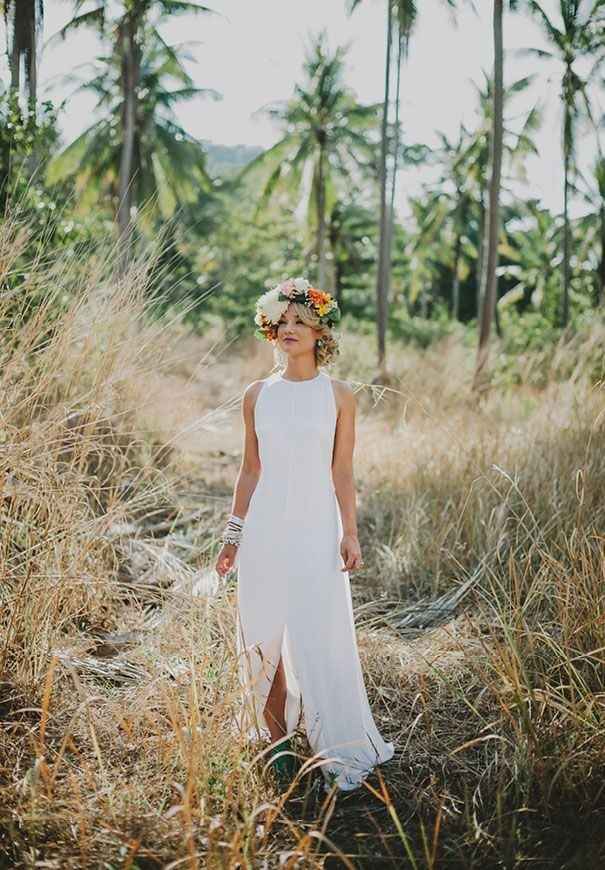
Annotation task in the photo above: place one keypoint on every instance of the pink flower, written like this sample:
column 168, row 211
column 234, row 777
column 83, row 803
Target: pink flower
column 288, row 288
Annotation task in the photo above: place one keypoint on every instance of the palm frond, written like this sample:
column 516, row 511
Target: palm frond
column 553, row 34
column 95, row 19
column 184, row 7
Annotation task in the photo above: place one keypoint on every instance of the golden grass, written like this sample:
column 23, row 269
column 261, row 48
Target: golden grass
column 120, row 440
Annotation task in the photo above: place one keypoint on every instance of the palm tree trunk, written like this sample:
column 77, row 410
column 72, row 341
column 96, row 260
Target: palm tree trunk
column 23, row 18
column 321, row 219
column 493, row 224
column 338, row 283
column 455, row 306
column 381, row 278
column 601, row 285
column 391, row 219
column 334, row 237
column 456, row 281
column 481, row 248
column 497, row 322
column 127, row 38
column 566, row 160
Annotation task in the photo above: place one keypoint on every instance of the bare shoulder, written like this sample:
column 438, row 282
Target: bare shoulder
column 344, row 394
column 251, row 392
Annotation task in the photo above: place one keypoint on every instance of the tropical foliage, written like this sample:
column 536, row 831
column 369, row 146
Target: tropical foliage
column 327, row 150
column 168, row 165
column 321, row 200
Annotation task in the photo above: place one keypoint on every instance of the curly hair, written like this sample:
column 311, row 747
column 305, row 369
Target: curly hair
column 328, row 349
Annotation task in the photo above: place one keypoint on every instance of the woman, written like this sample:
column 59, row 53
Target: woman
column 292, row 534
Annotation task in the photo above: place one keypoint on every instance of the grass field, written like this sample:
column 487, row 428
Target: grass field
column 120, row 440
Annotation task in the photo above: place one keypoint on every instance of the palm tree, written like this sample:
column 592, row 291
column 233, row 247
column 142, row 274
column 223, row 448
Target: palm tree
column 327, row 138
column 593, row 193
column 516, row 146
column 447, row 207
column 599, row 176
column 168, row 164
column 531, row 253
column 425, row 252
column 454, row 205
column 402, row 47
column 404, row 14
column 350, row 230
column 488, row 291
column 23, row 21
column 123, row 23
column 578, row 36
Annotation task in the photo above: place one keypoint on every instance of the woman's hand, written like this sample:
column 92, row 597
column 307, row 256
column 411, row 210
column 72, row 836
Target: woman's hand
column 226, row 559
column 351, row 553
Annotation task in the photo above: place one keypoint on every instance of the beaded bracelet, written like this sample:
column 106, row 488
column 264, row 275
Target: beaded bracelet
column 233, row 530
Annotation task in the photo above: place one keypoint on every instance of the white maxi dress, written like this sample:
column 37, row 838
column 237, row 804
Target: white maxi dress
column 293, row 598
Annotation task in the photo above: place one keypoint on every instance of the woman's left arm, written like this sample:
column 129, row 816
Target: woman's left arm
column 342, row 475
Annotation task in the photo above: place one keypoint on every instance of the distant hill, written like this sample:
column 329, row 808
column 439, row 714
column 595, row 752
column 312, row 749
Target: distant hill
column 227, row 160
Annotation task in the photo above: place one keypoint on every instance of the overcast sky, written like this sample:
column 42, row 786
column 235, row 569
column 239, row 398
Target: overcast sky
column 252, row 53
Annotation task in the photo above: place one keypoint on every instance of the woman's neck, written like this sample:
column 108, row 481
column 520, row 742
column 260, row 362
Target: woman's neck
column 301, row 370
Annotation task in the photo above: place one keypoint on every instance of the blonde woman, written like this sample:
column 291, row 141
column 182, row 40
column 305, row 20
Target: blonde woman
column 292, row 535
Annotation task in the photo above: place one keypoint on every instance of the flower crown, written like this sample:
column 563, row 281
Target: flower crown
column 272, row 304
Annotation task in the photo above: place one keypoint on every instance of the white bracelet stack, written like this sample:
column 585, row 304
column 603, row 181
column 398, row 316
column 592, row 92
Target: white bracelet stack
column 233, row 530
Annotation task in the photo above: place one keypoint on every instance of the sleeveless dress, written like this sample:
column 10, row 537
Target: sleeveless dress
column 293, row 598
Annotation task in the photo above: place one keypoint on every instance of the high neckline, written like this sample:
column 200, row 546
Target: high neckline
column 304, row 381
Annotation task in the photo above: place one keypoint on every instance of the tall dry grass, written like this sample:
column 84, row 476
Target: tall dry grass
column 118, row 670
column 508, row 493
column 445, row 483
column 119, row 443
column 72, row 463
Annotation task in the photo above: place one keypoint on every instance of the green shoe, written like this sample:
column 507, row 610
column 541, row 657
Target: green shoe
column 283, row 765
column 278, row 748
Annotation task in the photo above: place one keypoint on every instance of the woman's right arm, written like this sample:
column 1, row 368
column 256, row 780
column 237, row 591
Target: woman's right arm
column 250, row 467
column 248, row 475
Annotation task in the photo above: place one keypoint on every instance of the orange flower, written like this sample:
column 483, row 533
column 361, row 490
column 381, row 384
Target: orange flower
column 318, row 297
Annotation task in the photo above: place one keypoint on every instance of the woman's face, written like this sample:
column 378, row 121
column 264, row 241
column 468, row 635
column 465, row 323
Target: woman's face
column 293, row 336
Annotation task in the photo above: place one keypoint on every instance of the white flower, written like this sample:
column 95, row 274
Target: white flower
column 271, row 306
column 301, row 284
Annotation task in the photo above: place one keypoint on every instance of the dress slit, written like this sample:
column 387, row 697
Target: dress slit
column 258, row 663
column 293, row 708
